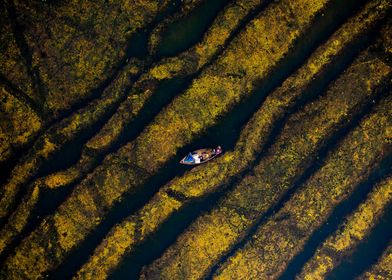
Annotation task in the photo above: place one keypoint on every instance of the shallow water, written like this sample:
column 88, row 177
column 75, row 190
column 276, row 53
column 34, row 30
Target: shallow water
column 181, row 35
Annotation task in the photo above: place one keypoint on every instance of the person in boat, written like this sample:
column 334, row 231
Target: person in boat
column 196, row 157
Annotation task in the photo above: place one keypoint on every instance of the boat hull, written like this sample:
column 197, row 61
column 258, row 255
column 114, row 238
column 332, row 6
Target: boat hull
column 207, row 154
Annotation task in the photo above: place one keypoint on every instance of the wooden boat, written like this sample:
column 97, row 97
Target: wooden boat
column 201, row 156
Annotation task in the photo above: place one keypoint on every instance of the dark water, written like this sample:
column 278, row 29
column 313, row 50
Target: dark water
column 368, row 252
column 185, row 32
column 343, row 210
column 181, row 35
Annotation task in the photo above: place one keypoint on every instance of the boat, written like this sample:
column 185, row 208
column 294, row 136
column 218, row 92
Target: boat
column 201, row 156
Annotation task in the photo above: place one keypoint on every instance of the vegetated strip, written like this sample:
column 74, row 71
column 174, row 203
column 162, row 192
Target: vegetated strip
column 17, row 103
column 113, row 130
column 143, row 89
column 181, row 191
column 24, row 98
column 54, row 119
column 224, row 28
column 382, row 270
column 354, row 230
column 213, row 94
column 39, row 90
column 102, row 142
column 188, row 64
column 284, row 234
column 14, row 132
column 62, row 133
column 372, row 247
column 213, row 234
column 25, row 170
column 24, row 164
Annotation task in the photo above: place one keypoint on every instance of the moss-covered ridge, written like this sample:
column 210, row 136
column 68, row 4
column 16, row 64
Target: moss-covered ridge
column 354, row 230
column 128, row 110
column 61, row 134
column 254, row 135
column 294, row 150
column 215, row 92
column 344, row 169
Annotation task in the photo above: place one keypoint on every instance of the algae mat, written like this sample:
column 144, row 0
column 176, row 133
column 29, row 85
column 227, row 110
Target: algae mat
column 100, row 100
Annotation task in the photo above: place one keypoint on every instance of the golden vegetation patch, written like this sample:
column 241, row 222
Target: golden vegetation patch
column 291, row 153
column 282, row 236
column 252, row 138
column 56, row 137
column 74, row 48
column 18, row 124
column 355, row 228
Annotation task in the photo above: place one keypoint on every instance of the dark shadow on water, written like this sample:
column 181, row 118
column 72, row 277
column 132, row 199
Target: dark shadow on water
column 310, row 167
column 50, row 199
column 69, row 155
column 225, row 133
column 368, row 252
column 344, row 209
column 136, row 47
column 187, row 31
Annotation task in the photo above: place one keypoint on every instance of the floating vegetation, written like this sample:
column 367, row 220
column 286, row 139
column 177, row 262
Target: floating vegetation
column 270, row 179
column 99, row 101
column 356, row 227
column 191, row 186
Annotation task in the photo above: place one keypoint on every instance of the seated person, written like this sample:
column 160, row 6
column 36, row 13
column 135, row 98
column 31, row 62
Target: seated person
column 196, row 157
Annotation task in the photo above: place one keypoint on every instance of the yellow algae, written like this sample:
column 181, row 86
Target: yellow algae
column 165, row 70
column 325, row 265
column 107, row 184
column 18, row 124
column 356, row 227
column 254, row 134
column 215, row 82
column 155, row 212
column 13, row 67
column 274, row 173
column 18, row 221
column 86, row 57
column 59, row 135
column 61, row 178
column 124, row 236
column 285, row 233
